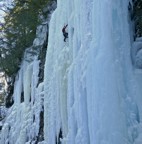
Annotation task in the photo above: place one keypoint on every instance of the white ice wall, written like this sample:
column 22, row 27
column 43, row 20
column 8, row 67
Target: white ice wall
column 22, row 122
column 91, row 89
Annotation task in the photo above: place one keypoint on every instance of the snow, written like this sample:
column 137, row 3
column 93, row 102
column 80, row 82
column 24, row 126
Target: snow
column 91, row 90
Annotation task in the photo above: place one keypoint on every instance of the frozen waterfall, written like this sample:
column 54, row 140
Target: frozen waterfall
column 92, row 91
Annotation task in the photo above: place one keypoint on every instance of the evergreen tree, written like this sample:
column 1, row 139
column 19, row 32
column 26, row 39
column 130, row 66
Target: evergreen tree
column 19, row 31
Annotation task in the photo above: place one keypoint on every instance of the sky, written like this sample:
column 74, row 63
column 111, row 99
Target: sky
column 3, row 3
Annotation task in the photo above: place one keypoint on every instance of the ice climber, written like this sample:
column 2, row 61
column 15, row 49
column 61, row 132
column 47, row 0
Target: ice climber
column 65, row 34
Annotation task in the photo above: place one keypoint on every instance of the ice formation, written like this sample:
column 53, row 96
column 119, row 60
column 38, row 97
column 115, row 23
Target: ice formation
column 91, row 91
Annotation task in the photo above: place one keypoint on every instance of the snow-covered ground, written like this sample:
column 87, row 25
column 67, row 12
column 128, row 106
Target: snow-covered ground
column 92, row 90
